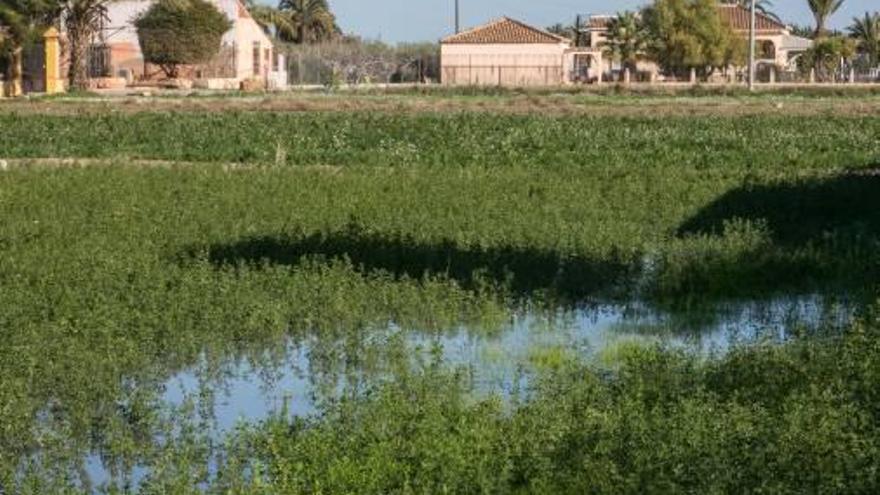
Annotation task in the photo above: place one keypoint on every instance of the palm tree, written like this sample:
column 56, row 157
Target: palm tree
column 309, row 21
column 273, row 21
column 627, row 39
column 822, row 10
column 82, row 20
column 867, row 32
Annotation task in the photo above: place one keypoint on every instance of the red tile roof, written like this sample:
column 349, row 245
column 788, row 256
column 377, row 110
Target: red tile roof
column 504, row 31
column 738, row 18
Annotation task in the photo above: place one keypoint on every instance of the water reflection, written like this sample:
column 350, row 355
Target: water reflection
column 226, row 388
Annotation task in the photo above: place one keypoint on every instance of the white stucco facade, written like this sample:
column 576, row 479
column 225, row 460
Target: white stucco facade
column 504, row 64
column 245, row 52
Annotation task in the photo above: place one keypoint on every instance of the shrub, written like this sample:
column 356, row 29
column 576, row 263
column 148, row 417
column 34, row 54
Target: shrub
column 180, row 32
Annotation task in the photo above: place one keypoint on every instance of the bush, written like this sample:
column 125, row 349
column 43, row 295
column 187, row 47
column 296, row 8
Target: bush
column 180, row 32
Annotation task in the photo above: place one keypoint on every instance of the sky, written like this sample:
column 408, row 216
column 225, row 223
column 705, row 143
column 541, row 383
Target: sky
column 396, row 21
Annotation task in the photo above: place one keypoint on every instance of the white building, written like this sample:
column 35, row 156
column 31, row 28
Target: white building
column 507, row 52
column 246, row 51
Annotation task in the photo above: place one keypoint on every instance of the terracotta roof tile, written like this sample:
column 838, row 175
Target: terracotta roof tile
column 504, row 31
column 738, row 18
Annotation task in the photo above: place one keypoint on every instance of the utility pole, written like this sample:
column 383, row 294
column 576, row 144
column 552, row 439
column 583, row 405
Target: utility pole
column 752, row 49
column 457, row 18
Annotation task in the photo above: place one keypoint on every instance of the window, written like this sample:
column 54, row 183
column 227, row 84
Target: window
column 256, row 58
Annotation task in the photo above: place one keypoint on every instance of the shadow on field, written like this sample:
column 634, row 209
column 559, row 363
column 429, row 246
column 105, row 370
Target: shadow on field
column 844, row 207
column 524, row 272
column 820, row 232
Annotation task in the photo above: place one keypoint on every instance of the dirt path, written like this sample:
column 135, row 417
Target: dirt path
column 546, row 104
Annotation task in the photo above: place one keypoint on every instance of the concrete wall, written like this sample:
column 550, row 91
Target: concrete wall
column 503, row 64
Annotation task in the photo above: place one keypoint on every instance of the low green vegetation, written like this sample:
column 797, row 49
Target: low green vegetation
column 798, row 419
column 119, row 275
column 766, row 144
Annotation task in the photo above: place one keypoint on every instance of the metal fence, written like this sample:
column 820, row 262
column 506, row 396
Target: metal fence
column 221, row 66
column 503, row 75
column 358, row 62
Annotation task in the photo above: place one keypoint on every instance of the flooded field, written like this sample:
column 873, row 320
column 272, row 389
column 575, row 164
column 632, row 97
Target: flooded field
column 296, row 378
column 451, row 302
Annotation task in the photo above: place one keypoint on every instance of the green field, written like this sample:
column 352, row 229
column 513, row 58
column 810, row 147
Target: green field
column 138, row 245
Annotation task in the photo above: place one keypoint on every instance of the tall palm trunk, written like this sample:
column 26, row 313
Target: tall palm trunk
column 78, row 74
column 13, row 87
column 83, row 19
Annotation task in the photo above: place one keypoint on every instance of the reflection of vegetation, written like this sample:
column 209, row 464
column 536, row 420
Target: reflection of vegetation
column 800, row 418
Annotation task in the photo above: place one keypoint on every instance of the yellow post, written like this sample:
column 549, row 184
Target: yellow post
column 54, row 83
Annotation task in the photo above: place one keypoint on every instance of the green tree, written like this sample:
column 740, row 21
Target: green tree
column 273, row 21
column 866, row 32
column 21, row 22
column 82, row 20
column 822, row 10
column 828, row 57
column 180, row 32
column 689, row 34
column 627, row 39
column 307, row 21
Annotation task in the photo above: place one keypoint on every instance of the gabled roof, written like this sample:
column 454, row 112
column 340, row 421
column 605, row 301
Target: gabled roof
column 504, row 31
column 738, row 18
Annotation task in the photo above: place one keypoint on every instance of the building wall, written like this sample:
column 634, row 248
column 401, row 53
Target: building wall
column 249, row 36
column 235, row 57
column 503, row 64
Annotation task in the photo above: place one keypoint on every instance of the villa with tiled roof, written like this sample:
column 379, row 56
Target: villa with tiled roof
column 504, row 52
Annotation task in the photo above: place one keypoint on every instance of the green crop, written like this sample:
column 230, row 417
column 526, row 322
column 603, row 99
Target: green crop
column 119, row 275
column 459, row 140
